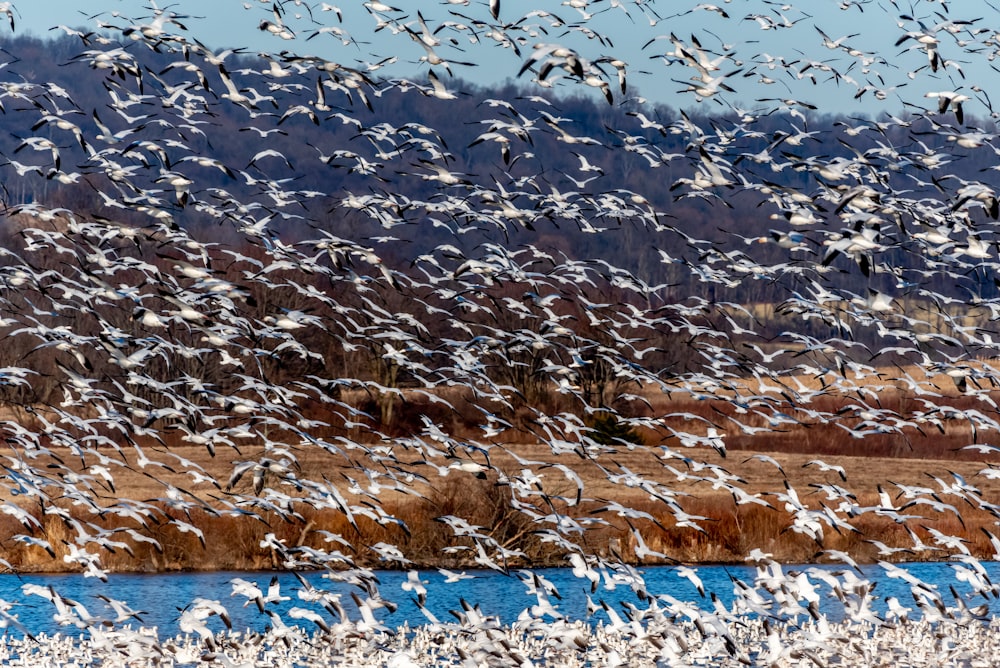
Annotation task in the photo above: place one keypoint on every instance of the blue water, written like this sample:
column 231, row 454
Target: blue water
column 161, row 597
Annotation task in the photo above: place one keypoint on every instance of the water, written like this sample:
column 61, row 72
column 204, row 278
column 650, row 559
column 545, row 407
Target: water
column 161, row 597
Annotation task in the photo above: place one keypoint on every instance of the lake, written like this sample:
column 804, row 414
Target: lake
column 161, row 597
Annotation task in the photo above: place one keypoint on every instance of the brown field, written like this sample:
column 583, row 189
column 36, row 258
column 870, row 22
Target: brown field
column 233, row 539
column 169, row 477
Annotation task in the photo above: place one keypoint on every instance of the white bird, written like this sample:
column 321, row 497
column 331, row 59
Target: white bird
column 194, row 615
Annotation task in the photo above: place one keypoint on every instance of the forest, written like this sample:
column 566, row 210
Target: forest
column 664, row 243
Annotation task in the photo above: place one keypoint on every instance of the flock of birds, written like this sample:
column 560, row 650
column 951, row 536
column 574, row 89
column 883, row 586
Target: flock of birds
column 148, row 329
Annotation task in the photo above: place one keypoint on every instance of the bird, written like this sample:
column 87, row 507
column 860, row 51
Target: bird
column 950, row 100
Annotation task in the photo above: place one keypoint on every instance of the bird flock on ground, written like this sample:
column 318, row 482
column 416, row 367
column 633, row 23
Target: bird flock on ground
column 198, row 301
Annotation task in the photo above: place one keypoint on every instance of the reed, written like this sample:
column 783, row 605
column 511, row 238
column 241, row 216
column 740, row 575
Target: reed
column 728, row 534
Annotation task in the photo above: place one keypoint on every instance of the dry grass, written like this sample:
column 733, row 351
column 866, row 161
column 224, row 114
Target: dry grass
column 237, row 538
column 729, row 533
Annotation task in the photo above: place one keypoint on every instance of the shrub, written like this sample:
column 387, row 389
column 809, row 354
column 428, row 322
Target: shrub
column 606, row 429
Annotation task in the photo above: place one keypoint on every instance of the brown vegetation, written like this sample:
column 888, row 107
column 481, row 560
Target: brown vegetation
column 415, row 518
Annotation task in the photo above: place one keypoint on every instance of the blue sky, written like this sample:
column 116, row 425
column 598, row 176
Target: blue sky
column 746, row 33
